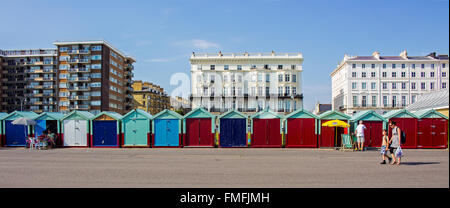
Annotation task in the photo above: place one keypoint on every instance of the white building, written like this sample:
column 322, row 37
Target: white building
column 383, row 83
column 248, row 82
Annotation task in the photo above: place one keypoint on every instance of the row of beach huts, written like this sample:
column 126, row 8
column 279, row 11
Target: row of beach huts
column 200, row 128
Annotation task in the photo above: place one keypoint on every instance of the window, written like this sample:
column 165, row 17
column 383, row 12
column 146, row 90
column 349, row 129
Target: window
column 363, row 74
column 355, row 100
column 199, row 67
column 267, row 77
column 443, row 65
column 385, row 100
column 280, row 66
column 96, row 75
column 287, row 77
column 373, row 74
column 96, row 57
column 96, row 66
column 413, row 99
column 363, row 86
column 422, row 66
column 403, row 74
column 374, row 101
column 62, row 85
column 353, row 65
column 63, row 67
column 96, row 103
column 423, row 86
column 63, row 49
column 226, row 67
column 394, row 101
column 384, row 85
column 413, row 66
column 288, row 90
column 403, row 101
column 431, row 74
column 422, row 74
column 444, row 74
column 96, row 48
column 394, row 86
column 63, row 76
column 403, row 86
column 353, row 74
column 373, row 66
column 384, row 66
column 292, row 66
column 384, row 74
column 354, row 85
column 413, row 85
column 403, row 66
column 280, row 78
column 225, row 78
column 96, row 84
column 432, row 66
column 294, row 90
column 444, row 85
column 294, row 78
column 363, row 66
column 364, row 101
column 213, row 67
column 280, row 90
column 413, row 74
column 393, row 66
column 431, row 85
column 259, row 77
column 212, row 78
column 373, row 85
column 394, row 74
column 239, row 67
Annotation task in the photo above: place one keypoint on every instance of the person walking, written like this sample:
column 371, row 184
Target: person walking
column 359, row 131
column 395, row 143
column 385, row 148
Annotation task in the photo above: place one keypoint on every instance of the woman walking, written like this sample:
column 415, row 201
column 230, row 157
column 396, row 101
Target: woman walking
column 395, row 143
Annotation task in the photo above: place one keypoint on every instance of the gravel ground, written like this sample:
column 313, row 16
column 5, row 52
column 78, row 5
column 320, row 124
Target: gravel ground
column 219, row 168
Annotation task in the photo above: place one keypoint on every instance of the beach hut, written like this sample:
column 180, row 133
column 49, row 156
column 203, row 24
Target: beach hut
column 105, row 130
column 301, row 129
column 136, row 130
column 331, row 136
column 432, row 129
column 2, row 115
column 407, row 122
column 51, row 121
column 16, row 135
column 199, row 128
column 266, row 129
column 75, row 129
column 233, row 129
column 374, row 123
column 166, row 127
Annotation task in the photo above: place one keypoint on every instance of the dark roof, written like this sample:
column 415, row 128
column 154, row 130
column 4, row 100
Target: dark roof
column 391, row 58
column 364, row 58
column 419, row 58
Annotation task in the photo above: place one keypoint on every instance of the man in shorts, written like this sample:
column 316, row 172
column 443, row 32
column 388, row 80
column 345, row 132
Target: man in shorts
column 359, row 131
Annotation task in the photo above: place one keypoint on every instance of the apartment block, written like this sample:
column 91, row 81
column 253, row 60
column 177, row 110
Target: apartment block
column 384, row 83
column 28, row 80
column 150, row 97
column 248, row 82
column 93, row 76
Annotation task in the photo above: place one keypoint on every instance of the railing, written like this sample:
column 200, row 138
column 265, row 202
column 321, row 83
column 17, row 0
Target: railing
column 79, row 70
column 77, row 79
column 79, row 97
column 79, row 88
column 79, row 106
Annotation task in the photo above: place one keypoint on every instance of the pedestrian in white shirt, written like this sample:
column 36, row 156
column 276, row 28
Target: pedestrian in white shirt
column 359, row 131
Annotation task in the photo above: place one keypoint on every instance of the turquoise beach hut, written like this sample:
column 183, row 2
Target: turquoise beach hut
column 136, row 129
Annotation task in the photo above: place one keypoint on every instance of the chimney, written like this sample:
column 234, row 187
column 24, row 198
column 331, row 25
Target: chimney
column 432, row 55
column 376, row 54
column 404, row 54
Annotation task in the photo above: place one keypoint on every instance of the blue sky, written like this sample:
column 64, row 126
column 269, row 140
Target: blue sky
column 161, row 35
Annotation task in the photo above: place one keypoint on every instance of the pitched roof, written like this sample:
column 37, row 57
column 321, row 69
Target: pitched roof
column 111, row 114
column 331, row 112
column 26, row 114
column 86, row 115
column 2, row 115
column 426, row 112
column 433, row 100
column 139, row 111
column 202, row 111
column 233, row 111
column 264, row 113
column 54, row 115
column 361, row 114
column 395, row 113
column 301, row 111
column 165, row 112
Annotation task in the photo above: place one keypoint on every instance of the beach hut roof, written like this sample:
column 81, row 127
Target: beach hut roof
column 233, row 113
column 138, row 111
column 429, row 113
column 167, row 114
column 266, row 113
column 301, row 113
column 2, row 115
column 400, row 113
column 83, row 114
column 49, row 116
column 111, row 114
column 199, row 113
column 333, row 115
column 25, row 114
column 368, row 115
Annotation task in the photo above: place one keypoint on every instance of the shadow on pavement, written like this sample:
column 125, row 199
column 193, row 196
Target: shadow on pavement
column 419, row 163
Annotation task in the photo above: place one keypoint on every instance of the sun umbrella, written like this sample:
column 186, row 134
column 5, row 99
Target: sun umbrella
column 24, row 122
column 336, row 123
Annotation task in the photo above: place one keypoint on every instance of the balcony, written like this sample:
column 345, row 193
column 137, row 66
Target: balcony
column 79, row 97
column 79, row 61
column 79, row 107
column 79, row 88
column 49, row 62
column 82, row 51
column 48, row 94
column 79, row 79
column 38, row 63
column 76, row 70
column 38, row 95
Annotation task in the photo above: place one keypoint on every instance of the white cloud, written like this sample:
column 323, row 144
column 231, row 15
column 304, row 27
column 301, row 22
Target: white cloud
column 197, row 44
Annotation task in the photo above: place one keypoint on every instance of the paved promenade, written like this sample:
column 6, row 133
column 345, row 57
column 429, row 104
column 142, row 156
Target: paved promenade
column 188, row 167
